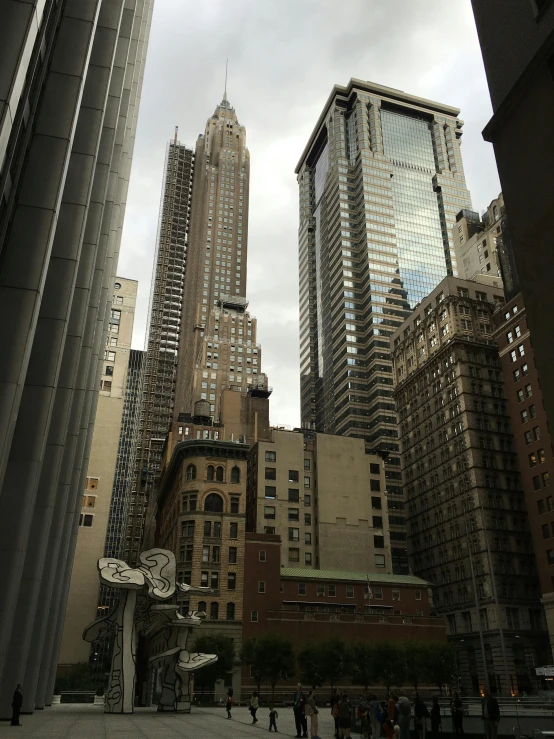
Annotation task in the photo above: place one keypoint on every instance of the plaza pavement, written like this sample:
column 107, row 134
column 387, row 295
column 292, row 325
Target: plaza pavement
column 80, row 721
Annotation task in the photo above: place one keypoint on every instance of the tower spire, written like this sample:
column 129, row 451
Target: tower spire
column 225, row 90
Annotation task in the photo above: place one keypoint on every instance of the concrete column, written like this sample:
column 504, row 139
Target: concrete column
column 26, row 254
column 26, row 458
column 59, row 449
column 86, row 387
column 19, row 30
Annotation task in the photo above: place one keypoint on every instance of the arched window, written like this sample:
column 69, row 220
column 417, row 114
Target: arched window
column 495, row 212
column 191, row 472
column 219, row 474
column 213, row 503
column 202, row 606
column 214, row 611
column 235, row 474
column 210, row 472
column 230, row 611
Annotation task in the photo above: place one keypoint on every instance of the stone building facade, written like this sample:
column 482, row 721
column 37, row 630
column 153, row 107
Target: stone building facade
column 533, row 442
column 475, row 242
column 326, row 498
column 468, row 527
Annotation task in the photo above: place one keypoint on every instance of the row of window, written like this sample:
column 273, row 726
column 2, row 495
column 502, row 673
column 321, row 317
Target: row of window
column 213, row 473
column 213, row 503
column 214, row 610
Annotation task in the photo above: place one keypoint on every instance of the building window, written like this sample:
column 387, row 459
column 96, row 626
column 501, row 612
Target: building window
column 524, row 416
column 219, row 474
column 210, row 470
column 320, row 590
column 187, row 528
column 254, row 617
column 269, row 529
column 540, row 456
column 232, row 555
column 545, row 479
column 271, row 456
column 537, row 433
column 85, row 519
column 269, row 511
column 294, row 534
column 294, row 476
column 379, row 560
column 214, row 611
column 261, row 586
column 270, row 491
column 307, row 500
column 378, row 593
column 262, row 555
column 528, row 438
column 396, row 594
column 230, row 611
column 302, row 588
column 376, row 503
column 306, row 464
column 307, row 519
column 234, row 531
column 213, row 503
column 532, row 411
column 418, row 594
column 235, row 504
column 520, row 396
column 235, row 474
column 204, row 580
column 377, row 522
column 231, row 581
column 349, row 591
column 379, row 542
column 306, row 482
column 270, row 473
column 294, row 555
column 375, row 486
column 308, row 537
column 294, row 495
column 332, row 591
column 191, row 472
column 294, row 514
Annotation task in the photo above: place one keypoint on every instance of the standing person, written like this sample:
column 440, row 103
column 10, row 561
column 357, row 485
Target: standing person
column 391, row 708
column 364, row 721
column 404, row 710
column 436, row 724
column 229, row 702
column 311, row 711
column 345, row 713
column 254, row 705
column 17, row 700
column 457, row 710
column 273, row 715
column 491, row 714
column 421, row 714
column 298, row 706
column 375, row 716
column 335, row 700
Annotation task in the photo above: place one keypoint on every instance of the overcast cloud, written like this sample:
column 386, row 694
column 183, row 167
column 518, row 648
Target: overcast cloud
column 284, row 58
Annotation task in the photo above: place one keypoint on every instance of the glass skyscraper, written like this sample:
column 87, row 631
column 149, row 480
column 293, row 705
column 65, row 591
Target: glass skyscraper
column 381, row 180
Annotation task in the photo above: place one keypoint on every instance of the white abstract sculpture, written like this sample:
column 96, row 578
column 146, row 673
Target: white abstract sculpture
column 156, row 574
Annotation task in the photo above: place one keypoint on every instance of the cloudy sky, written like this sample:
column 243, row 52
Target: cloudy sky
column 284, row 58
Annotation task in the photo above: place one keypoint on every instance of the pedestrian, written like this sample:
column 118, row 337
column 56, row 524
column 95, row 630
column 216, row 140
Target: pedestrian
column 229, row 702
column 404, row 711
column 273, row 715
column 392, row 712
column 375, row 716
column 392, row 730
column 457, row 710
column 421, row 714
column 298, row 706
column 311, row 711
column 436, row 724
column 491, row 714
column 17, row 700
column 364, row 723
column 345, row 713
column 335, row 700
column 254, row 705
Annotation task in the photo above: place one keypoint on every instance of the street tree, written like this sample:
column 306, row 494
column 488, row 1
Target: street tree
column 224, row 648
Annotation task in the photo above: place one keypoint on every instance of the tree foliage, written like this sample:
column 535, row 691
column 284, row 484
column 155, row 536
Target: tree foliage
column 224, row 648
column 310, row 663
column 363, row 665
column 415, row 653
column 270, row 658
column 390, row 663
column 440, row 663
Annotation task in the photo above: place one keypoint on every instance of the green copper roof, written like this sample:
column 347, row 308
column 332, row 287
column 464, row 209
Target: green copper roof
column 373, row 577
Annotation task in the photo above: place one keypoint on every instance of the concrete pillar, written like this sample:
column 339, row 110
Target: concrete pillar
column 26, row 254
column 59, row 448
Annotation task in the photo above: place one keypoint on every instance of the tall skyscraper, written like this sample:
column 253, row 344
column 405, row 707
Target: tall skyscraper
column 70, row 92
column 381, row 181
column 202, row 339
column 101, row 476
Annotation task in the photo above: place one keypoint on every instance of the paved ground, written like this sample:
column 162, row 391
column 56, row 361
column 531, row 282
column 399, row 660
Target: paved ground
column 89, row 722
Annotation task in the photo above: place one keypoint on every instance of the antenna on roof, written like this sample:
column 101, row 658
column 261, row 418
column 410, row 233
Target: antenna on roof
column 225, row 91
column 176, row 132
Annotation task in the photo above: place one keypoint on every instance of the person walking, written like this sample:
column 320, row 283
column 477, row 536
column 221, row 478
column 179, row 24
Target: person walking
column 273, row 716
column 435, row 714
column 298, row 706
column 311, row 711
column 17, row 700
column 335, row 700
column 404, row 715
column 345, row 713
column 421, row 714
column 229, row 702
column 254, row 705
column 457, row 710
column 491, row 714
column 375, row 716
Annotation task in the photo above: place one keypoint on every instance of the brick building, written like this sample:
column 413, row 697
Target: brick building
column 308, row 604
column 533, row 442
